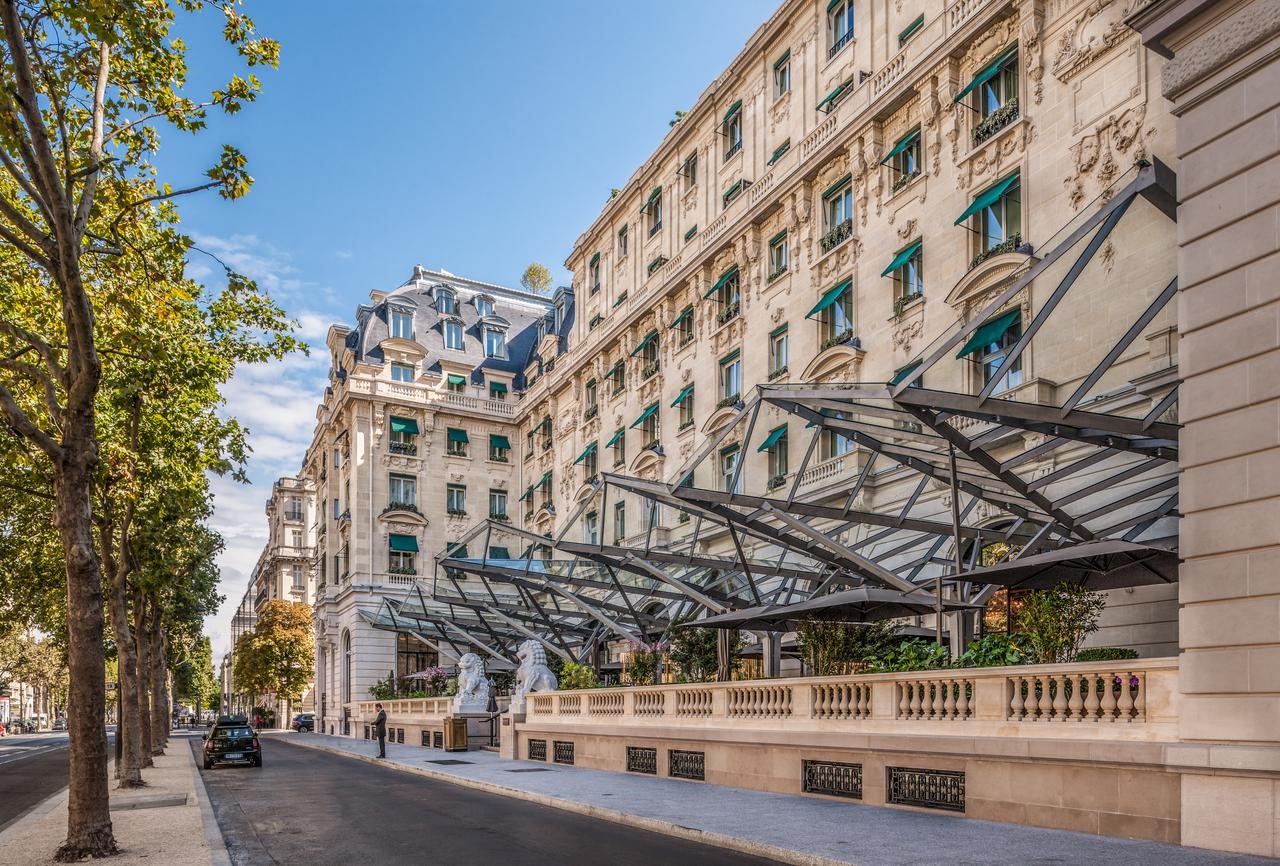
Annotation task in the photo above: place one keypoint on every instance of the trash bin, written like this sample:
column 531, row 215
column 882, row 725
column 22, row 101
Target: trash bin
column 455, row 734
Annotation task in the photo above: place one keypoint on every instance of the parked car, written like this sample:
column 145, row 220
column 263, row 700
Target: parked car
column 304, row 723
column 60, row 724
column 234, row 743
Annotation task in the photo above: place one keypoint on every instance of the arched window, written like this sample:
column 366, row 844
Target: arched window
column 346, row 667
column 446, row 302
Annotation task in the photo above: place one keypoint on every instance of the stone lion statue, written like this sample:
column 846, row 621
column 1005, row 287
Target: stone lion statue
column 473, row 686
column 533, row 675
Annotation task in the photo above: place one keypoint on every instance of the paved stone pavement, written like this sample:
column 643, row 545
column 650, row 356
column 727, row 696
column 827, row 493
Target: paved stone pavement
column 792, row 828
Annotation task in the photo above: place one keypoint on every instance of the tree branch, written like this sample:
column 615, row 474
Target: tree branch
column 31, row 371
column 95, row 142
column 23, row 426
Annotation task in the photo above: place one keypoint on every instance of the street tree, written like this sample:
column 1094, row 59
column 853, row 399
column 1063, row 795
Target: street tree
column 85, row 89
column 536, row 278
column 278, row 655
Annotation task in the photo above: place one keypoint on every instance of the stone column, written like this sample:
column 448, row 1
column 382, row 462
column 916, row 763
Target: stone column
column 1223, row 78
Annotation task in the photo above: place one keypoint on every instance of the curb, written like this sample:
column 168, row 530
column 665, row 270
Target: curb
column 218, row 854
column 36, row 812
column 616, row 816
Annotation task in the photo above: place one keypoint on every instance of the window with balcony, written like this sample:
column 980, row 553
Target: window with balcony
column 293, row 509
column 728, row 293
column 452, row 334
column 402, row 324
column 622, row 242
column 904, row 160
column 990, row 345
column 683, row 326
column 730, row 378
column 730, row 480
column 837, row 211
column 684, row 403
column 591, row 528
column 839, row 25
column 544, row 432
column 732, row 128
column 495, row 343
column 907, row 271
column 456, row 442
column 779, row 255
column 775, row 446
column 401, row 552
column 994, row 218
column 498, row 505
column 455, row 384
column 619, row 522
column 653, row 210
column 455, row 500
column 590, row 400
column 689, row 168
column 782, row 75
column 401, row 372
column 403, row 437
column 619, row 445
column 446, row 302
column 617, row 377
column 497, row 390
column 779, row 352
column 648, row 424
column 499, row 448
column 993, row 95
column 593, row 273
column 648, row 350
column 402, row 491
column 834, row 313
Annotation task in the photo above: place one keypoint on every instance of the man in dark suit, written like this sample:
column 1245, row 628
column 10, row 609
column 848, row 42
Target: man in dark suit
column 380, row 730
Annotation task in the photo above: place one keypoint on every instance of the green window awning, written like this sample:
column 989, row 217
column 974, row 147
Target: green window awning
column 987, row 198
column 833, row 4
column 645, row 415
column 456, row 380
column 686, row 313
column 691, row 232
column 403, row 543
column 404, row 425
column 830, row 297
column 903, row 143
column 911, row 28
column 732, row 191
column 614, row 370
column 779, row 151
column 987, row 72
column 779, row 236
column 456, row 435
column 498, row 441
column 544, row 480
column 772, row 439
column 786, row 55
column 640, row 347
column 586, row 452
column 837, row 186
column 733, row 109
column 616, row 436
column 781, row 329
column 732, row 356
column 901, row 258
column 682, row 396
column 990, row 332
column 724, row 278
column 595, row 260
column 653, row 196
column 524, row 497
column 498, row 387
column 831, row 98
column 499, row 553
column 544, row 424
column 900, row 376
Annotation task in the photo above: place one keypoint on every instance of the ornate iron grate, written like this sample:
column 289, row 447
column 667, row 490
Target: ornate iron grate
column 399, row 735
column 437, row 739
column 931, row 789
column 563, row 752
column 426, row 738
column 832, row 778
column 642, row 759
column 366, row 732
column 537, row 750
column 686, row 765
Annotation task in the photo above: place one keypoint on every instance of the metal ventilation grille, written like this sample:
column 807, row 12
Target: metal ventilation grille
column 833, row 778
column 537, row 750
column 563, row 752
column 686, row 765
column 641, row 759
column 931, row 789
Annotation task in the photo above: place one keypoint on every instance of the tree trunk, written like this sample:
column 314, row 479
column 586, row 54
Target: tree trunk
column 144, row 676
column 88, row 813
column 129, row 728
column 159, row 693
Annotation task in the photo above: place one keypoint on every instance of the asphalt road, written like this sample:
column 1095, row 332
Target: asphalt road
column 32, row 766
column 308, row 806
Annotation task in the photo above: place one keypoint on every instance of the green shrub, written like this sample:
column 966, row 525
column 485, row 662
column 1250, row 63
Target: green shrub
column 695, row 651
column 912, row 655
column 642, row 665
column 578, row 676
column 995, row 650
column 828, row 647
column 1056, row 621
column 1106, row 654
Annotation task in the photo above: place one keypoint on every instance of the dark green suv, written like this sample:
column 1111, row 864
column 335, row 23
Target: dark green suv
column 231, row 743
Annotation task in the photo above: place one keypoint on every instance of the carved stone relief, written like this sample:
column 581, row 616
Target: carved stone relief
column 1094, row 31
column 998, row 155
column 1094, row 155
column 1031, row 15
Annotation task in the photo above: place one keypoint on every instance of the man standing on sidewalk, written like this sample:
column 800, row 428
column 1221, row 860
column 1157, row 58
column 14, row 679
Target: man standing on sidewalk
column 380, row 730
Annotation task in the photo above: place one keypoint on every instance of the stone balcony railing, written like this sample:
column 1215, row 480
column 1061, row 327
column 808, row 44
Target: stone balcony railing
column 1126, row 700
column 408, row 711
column 429, row 396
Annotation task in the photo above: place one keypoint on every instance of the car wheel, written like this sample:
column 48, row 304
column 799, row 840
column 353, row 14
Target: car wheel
column 257, row 762
column 208, row 765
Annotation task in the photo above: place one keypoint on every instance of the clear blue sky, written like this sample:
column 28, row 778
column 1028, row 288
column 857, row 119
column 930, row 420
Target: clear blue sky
column 475, row 137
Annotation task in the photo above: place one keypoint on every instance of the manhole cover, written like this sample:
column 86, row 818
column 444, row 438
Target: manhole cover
column 531, row 770
column 449, row 762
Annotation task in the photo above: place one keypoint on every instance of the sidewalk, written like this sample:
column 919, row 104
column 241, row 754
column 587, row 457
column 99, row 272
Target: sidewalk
column 169, row 821
column 793, row 829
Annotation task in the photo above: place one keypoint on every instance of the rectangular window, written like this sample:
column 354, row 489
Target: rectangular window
column 498, row 504
column 1000, row 89
column 619, row 522
column 779, row 346
column 293, row 511
column 730, row 482
column 649, row 430
column 622, row 242
column 456, row 384
column 908, row 278
column 497, row 390
column 402, row 324
column 906, row 160
column 654, row 209
column 618, row 377
column 591, row 397
column 690, row 170
column 591, row 465
column 495, row 343
column 730, row 378
column 833, row 444
column 839, row 25
column 778, row 459
column 729, row 296
column 295, row 538
column 911, row 30
column 299, row 580
column 499, row 448
column 591, row 528
column 337, row 508
column 733, row 136
column 401, row 372
column 684, row 327
column 401, row 440
column 991, row 356
column 455, row 499
column 836, row 321
column 593, row 273
column 779, row 256
column 403, row 490
column 619, row 445
column 1000, row 223
column 782, row 76
column 838, row 205
column 686, row 411
column 456, row 442
column 452, row 334
column 446, row 302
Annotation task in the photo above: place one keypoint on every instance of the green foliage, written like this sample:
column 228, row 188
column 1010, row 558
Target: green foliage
column 912, row 655
column 643, row 663
column 694, row 651
column 995, row 650
column 279, row 654
column 828, row 647
column 1056, row 621
column 578, row 676
column 536, row 278
column 194, row 680
column 679, row 116
column 1106, row 654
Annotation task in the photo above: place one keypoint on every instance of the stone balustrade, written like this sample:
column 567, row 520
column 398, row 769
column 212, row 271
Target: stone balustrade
column 407, row 710
column 1135, row 700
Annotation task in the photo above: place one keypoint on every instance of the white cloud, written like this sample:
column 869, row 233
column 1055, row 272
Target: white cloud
column 342, row 254
column 248, row 254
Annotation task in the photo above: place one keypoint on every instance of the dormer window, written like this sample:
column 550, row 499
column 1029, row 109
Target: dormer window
column 446, row 302
column 401, row 372
column 452, row 334
column 402, row 324
column 484, row 306
column 495, row 343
